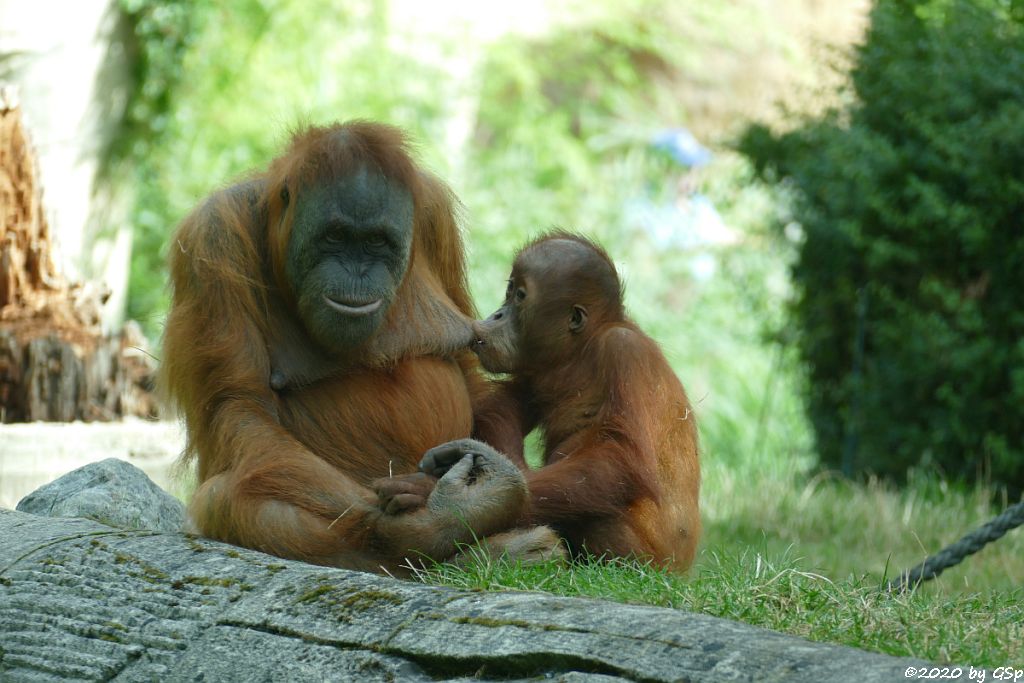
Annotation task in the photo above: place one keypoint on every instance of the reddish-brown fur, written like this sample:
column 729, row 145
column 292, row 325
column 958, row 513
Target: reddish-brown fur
column 621, row 474
column 287, row 471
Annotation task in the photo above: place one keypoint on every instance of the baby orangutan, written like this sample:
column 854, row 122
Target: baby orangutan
column 621, row 475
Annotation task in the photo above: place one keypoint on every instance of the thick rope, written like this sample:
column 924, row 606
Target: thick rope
column 955, row 553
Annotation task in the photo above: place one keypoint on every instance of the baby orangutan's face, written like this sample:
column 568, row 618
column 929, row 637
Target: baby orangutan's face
column 542, row 315
column 497, row 337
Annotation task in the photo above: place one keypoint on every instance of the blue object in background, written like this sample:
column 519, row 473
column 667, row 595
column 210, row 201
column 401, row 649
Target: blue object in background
column 689, row 222
column 682, row 147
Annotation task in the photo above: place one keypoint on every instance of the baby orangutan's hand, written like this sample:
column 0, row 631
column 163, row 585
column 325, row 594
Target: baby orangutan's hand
column 406, row 493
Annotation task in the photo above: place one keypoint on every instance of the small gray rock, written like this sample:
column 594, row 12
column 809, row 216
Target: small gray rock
column 112, row 492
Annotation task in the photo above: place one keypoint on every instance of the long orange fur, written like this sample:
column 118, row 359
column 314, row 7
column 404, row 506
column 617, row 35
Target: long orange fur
column 286, row 471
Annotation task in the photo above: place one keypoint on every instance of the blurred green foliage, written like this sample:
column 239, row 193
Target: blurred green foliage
column 161, row 32
column 911, row 203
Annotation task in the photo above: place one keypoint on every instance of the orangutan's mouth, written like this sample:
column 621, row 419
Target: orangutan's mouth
column 351, row 307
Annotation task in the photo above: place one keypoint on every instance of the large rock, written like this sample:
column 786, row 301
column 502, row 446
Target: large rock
column 83, row 601
column 113, row 492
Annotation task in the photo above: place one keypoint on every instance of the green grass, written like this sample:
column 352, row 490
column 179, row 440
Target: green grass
column 981, row 629
column 809, row 558
column 843, row 530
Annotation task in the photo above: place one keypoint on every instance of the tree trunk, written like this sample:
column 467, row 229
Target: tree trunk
column 54, row 362
column 79, row 600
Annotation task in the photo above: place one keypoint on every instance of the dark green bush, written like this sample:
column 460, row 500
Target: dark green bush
column 910, row 268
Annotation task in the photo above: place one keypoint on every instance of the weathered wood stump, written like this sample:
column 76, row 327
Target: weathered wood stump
column 55, row 364
column 52, row 378
column 84, row 601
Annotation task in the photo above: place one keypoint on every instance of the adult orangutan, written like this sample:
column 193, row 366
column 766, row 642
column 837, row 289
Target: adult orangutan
column 317, row 340
column 621, row 475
